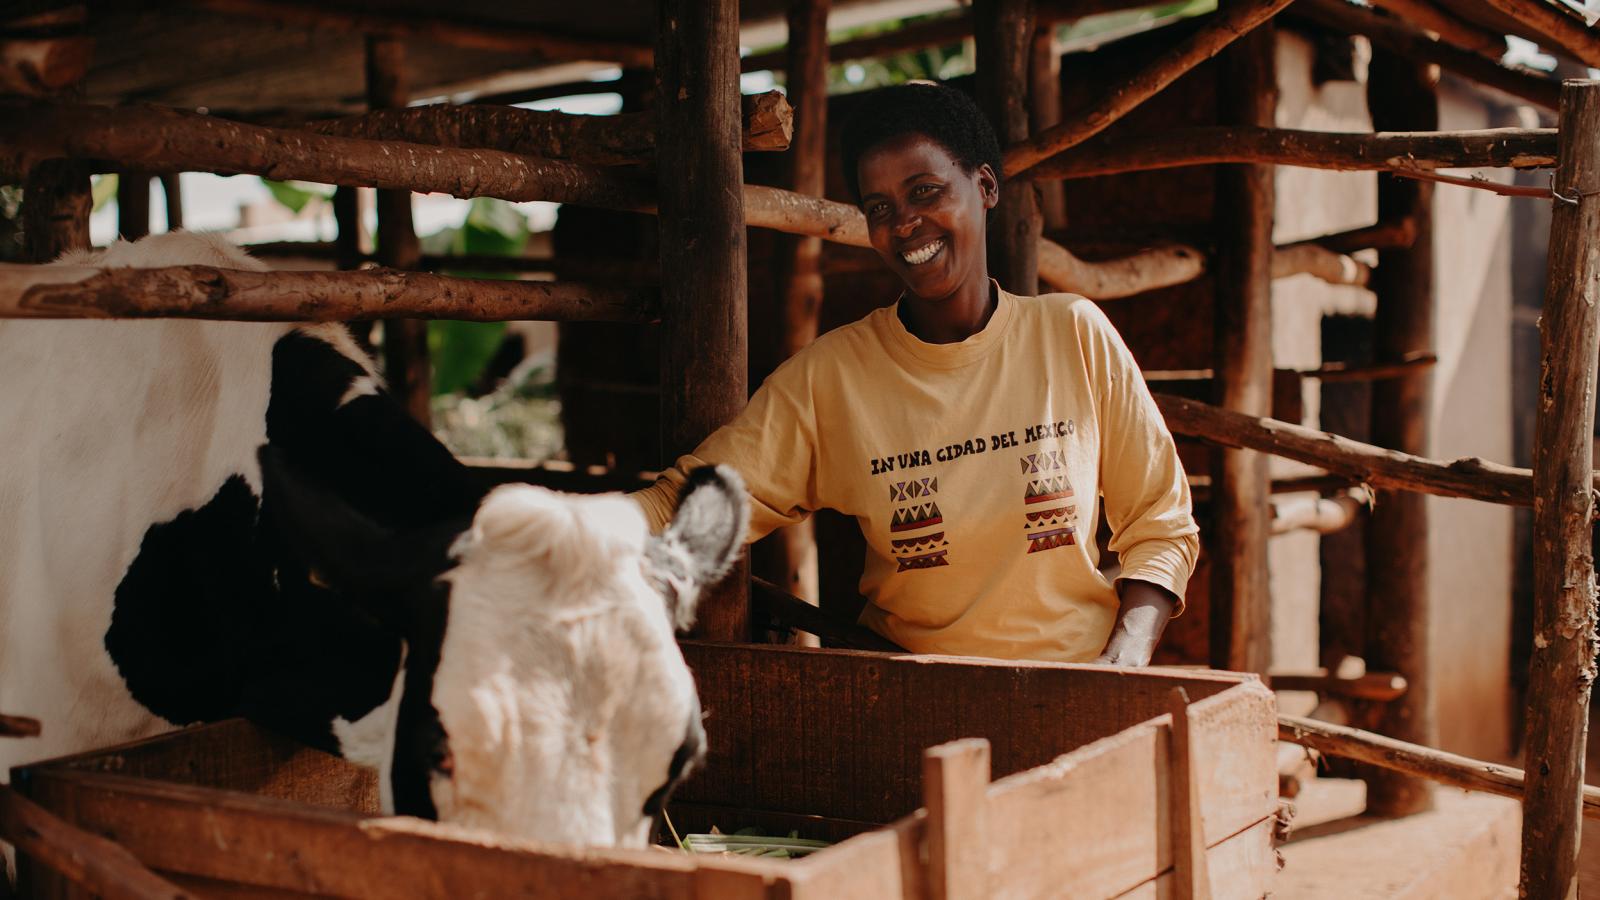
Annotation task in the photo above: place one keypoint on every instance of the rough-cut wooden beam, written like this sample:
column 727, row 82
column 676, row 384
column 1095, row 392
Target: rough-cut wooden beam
column 99, row 866
column 203, row 292
column 951, row 29
column 1228, row 24
column 1563, row 28
column 1401, row 94
column 1398, row 35
column 1395, row 235
column 1003, row 30
column 955, row 785
column 1324, row 515
column 1518, row 148
column 601, row 271
column 500, row 37
column 166, row 139
column 172, row 196
column 406, row 363
column 1562, row 668
column 159, row 139
column 1319, row 262
column 1415, row 759
column 1379, row 687
column 1408, row 365
column 600, row 140
column 18, row 726
column 1241, row 516
column 44, row 53
column 133, row 205
column 1469, row 477
column 1044, row 112
column 704, row 335
column 1426, row 15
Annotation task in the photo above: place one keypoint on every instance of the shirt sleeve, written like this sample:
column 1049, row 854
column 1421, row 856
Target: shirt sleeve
column 1146, row 492
column 771, row 444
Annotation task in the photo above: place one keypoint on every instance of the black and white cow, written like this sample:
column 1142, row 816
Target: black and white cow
column 208, row 519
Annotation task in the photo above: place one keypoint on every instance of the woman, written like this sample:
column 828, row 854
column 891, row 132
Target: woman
column 971, row 432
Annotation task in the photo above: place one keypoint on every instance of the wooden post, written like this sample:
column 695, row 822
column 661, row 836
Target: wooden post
column 801, row 290
column 405, row 342
column 1400, row 94
column 704, row 337
column 172, row 194
column 133, row 205
column 1241, row 610
column 1004, row 33
column 1044, row 111
column 955, row 786
column 1562, row 668
column 347, row 216
column 1191, row 874
column 56, row 202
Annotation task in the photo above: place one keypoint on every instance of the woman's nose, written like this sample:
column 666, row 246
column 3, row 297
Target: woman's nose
column 905, row 225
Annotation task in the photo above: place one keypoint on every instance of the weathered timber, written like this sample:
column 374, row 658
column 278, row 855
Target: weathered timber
column 18, row 726
column 172, row 197
column 452, row 30
column 345, row 249
column 1562, row 667
column 1478, row 182
column 1147, row 270
column 1388, row 235
column 1408, row 364
column 1424, row 14
column 602, row 271
column 1517, row 148
column 1241, row 517
column 1398, row 34
column 1044, row 112
column 1191, row 877
column 203, row 292
column 800, row 256
column 950, row 29
column 1003, row 32
column 40, row 67
column 955, row 784
column 1414, row 759
column 93, row 863
column 1380, row 687
column 1469, row 477
column 1324, row 515
column 768, row 123
column 704, row 337
column 1313, row 259
column 1228, row 24
column 154, row 138
column 406, row 366
column 1401, row 94
column 1562, row 28
column 133, row 205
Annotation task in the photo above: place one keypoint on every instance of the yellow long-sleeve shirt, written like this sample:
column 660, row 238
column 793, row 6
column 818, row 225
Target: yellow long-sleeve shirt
column 974, row 470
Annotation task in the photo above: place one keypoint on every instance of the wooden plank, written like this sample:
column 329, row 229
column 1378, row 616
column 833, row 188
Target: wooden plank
column 880, row 865
column 1191, row 875
column 1469, row 477
column 704, row 338
column 1397, row 151
column 1003, row 31
column 1562, row 667
column 1241, row 866
column 955, row 784
column 1400, row 94
column 1241, row 517
column 133, row 205
column 288, row 847
column 1414, row 759
column 1228, row 24
column 204, row 292
column 87, row 860
column 1563, row 28
column 55, row 208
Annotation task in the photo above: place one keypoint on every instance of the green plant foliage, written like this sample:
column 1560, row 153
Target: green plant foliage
column 461, row 350
column 296, row 194
column 103, row 189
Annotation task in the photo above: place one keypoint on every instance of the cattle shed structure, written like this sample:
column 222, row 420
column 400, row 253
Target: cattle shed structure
column 1208, row 178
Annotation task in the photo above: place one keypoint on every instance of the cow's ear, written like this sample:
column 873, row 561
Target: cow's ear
column 704, row 539
column 345, row 548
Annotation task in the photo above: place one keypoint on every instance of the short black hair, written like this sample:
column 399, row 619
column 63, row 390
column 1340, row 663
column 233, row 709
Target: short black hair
column 943, row 114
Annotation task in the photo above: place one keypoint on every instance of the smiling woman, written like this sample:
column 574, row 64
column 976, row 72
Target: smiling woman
column 971, row 432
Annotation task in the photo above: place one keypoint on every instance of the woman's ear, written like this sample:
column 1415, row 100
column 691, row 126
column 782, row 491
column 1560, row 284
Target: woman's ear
column 988, row 186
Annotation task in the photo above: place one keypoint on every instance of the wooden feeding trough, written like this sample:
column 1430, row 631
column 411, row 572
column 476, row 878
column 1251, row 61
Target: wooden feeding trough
column 1101, row 796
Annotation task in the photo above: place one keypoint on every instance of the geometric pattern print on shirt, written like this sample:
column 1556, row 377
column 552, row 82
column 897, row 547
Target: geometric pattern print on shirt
column 1049, row 516
column 923, row 551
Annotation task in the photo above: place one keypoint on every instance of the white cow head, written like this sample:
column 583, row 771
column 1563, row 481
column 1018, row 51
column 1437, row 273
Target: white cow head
column 543, row 693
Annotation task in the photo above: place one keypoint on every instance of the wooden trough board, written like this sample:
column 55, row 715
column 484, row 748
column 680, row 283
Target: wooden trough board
column 826, row 742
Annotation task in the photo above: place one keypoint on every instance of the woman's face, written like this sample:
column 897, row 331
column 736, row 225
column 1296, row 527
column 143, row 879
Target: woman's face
column 925, row 215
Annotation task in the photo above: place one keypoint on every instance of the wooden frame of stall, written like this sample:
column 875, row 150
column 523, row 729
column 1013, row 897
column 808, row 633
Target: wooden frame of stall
column 1112, row 784
column 53, row 145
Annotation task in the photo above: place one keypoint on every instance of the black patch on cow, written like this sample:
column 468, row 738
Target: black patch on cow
column 689, row 754
column 211, row 620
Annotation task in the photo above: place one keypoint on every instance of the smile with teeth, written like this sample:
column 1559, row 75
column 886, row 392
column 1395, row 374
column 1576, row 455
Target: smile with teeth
column 924, row 253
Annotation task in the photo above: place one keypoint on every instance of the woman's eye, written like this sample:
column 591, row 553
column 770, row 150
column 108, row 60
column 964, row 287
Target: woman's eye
column 878, row 210
column 924, row 190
